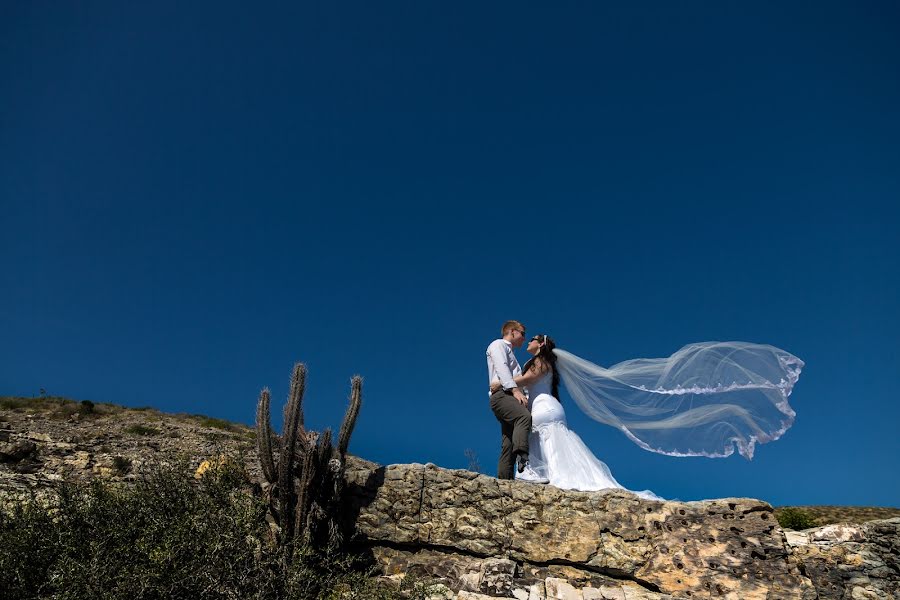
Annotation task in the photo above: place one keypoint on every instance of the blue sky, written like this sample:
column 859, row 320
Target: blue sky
column 194, row 197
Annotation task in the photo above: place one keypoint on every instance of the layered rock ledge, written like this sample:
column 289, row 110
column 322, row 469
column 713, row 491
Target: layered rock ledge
column 480, row 536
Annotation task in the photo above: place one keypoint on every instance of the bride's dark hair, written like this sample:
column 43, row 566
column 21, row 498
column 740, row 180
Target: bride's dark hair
column 546, row 356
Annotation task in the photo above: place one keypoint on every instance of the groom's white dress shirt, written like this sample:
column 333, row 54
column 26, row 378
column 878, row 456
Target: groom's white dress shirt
column 502, row 364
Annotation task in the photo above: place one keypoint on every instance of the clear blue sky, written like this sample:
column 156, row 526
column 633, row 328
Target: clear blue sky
column 194, row 196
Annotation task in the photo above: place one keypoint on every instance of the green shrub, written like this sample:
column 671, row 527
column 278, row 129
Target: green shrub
column 167, row 536
column 138, row 429
column 122, row 464
column 216, row 423
column 795, row 518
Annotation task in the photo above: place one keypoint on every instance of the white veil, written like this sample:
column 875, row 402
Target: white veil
column 705, row 400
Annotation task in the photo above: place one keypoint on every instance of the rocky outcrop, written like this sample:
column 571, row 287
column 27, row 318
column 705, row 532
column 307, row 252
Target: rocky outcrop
column 476, row 537
column 850, row 561
column 479, row 535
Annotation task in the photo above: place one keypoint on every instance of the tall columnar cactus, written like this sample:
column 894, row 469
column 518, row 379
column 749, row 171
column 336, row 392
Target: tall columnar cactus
column 350, row 417
column 307, row 481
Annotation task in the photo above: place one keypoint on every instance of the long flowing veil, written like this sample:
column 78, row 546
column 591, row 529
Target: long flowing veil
column 707, row 399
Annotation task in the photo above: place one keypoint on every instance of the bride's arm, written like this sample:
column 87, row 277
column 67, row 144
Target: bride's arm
column 534, row 372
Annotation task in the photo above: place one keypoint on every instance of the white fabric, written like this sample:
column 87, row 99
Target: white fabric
column 557, row 453
column 707, row 399
column 502, row 364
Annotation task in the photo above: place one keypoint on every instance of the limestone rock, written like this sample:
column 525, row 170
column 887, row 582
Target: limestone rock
column 560, row 589
column 837, row 533
column 16, row 451
column 731, row 548
column 79, row 460
column 853, row 561
column 497, row 577
column 609, row 593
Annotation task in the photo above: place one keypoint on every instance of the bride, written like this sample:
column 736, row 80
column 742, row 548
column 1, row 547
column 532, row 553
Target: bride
column 707, row 399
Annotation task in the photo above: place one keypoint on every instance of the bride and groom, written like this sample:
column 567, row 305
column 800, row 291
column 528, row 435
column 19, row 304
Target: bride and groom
column 707, row 399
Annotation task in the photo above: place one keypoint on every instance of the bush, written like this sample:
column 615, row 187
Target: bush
column 121, row 465
column 141, row 430
column 167, row 536
column 12, row 403
column 205, row 421
column 57, row 407
column 795, row 518
column 43, row 403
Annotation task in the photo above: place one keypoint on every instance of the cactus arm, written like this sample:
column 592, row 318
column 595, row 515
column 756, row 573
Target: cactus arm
column 264, row 436
column 350, row 417
column 293, row 413
column 304, row 489
column 324, row 451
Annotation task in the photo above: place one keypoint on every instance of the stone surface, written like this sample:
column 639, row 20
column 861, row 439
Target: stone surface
column 560, row 589
column 859, row 561
column 728, row 548
column 16, row 451
column 611, row 541
column 497, row 577
column 612, row 593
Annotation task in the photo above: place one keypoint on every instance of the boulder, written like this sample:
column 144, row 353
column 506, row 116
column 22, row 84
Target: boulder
column 479, row 535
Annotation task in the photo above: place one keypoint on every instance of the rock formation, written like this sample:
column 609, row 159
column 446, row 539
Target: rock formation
column 481, row 535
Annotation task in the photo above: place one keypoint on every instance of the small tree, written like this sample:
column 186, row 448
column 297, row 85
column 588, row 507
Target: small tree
column 474, row 464
column 795, row 518
column 307, row 480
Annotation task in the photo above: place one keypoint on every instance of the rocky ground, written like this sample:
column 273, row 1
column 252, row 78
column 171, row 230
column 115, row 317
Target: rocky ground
column 46, row 440
column 478, row 537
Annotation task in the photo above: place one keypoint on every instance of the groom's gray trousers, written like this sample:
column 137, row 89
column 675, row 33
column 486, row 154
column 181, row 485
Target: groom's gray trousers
column 515, row 425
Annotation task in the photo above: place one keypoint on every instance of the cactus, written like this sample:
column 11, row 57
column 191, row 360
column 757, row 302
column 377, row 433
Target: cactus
column 350, row 417
column 307, row 482
column 263, row 436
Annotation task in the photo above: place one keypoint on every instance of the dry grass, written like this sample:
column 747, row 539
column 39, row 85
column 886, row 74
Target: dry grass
column 57, row 407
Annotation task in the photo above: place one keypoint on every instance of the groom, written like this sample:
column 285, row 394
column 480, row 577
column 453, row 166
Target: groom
column 509, row 403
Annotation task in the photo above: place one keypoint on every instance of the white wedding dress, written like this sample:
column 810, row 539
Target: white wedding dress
column 556, row 453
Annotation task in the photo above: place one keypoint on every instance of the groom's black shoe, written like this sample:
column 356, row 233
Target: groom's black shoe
column 521, row 462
